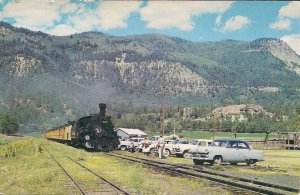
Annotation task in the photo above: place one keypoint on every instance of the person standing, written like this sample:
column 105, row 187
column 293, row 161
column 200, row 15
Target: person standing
column 131, row 149
column 146, row 149
column 161, row 147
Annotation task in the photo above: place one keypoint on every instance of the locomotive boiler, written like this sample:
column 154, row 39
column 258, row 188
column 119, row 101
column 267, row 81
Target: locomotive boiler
column 92, row 132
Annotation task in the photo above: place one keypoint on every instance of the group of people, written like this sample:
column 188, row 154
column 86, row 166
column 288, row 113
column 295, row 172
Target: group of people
column 159, row 146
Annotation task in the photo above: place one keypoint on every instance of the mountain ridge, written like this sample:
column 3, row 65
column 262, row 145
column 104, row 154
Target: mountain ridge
column 77, row 71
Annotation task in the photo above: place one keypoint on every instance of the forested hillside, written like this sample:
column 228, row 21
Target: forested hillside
column 48, row 80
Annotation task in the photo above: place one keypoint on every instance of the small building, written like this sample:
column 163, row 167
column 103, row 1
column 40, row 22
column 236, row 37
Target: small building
column 128, row 133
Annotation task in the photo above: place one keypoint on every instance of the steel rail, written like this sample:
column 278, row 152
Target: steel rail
column 102, row 178
column 245, row 184
column 280, row 187
column 70, row 177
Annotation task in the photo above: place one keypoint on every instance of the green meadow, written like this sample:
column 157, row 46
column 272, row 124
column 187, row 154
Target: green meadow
column 27, row 168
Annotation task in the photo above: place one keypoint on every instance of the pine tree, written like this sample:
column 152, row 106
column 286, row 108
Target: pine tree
column 9, row 124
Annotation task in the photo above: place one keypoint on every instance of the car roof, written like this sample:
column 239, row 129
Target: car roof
column 207, row 140
column 229, row 140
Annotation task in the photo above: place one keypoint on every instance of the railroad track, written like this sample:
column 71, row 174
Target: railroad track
column 234, row 183
column 98, row 185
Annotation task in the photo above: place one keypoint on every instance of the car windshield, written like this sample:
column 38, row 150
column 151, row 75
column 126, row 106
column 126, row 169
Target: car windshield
column 183, row 142
column 175, row 141
column 202, row 143
column 194, row 142
column 169, row 141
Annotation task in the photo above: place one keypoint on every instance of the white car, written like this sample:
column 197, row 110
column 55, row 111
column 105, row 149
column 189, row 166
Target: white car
column 183, row 148
column 124, row 145
column 232, row 151
column 169, row 148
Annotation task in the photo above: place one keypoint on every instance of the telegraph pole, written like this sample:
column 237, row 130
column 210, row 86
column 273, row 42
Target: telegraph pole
column 163, row 111
column 213, row 127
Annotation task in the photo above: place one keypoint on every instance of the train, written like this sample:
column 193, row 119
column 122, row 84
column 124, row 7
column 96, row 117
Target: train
column 95, row 132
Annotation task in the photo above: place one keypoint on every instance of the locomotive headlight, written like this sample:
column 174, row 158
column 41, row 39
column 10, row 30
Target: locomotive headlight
column 87, row 137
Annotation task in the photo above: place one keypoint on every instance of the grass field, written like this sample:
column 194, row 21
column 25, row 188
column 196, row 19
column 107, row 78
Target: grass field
column 208, row 135
column 227, row 135
column 27, row 168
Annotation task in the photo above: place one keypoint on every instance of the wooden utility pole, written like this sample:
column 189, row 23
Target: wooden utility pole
column 213, row 127
column 163, row 112
column 174, row 128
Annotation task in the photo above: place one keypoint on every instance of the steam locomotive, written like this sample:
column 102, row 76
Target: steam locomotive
column 94, row 132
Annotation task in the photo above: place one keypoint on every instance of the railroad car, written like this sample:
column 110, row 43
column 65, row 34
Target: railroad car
column 92, row 132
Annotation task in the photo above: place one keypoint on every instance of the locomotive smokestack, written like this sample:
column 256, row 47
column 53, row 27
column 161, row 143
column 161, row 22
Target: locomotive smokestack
column 102, row 109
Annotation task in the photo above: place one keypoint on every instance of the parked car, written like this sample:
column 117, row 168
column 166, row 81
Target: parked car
column 183, row 149
column 169, row 147
column 232, row 151
column 124, row 145
column 154, row 138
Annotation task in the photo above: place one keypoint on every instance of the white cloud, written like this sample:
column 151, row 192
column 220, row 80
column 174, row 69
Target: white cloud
column 36, row 15
column 68, row 8
column 44, row 15
column 62, row 30
column 292, row 10
column 293, row 41
column 218, row 20
column 170, row 14
column 235, row 23
column 30, row 13
column 281, row 24
column 112, row 14
column 85, row 22
column 109, row 15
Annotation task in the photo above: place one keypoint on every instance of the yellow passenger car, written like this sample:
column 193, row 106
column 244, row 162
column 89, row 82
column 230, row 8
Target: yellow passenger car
column 62, row 133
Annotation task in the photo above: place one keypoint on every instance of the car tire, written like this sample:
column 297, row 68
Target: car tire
column 251, row 162
column 217, row 160
column 198, row 162
column 123, row 148
column 186, row 154
column 136, row 149
column 167, row 153
column 152, row 151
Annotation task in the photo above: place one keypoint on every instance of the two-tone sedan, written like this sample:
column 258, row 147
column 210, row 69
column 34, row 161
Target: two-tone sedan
column 231, row 151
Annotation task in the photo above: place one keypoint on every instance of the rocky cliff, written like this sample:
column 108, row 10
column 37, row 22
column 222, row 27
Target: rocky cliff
column 280, row 50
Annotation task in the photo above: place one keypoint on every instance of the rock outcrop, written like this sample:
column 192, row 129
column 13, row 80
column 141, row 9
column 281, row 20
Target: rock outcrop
column 280, row 50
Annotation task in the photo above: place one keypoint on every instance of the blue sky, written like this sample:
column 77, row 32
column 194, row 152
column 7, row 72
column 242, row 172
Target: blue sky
column 195, row 20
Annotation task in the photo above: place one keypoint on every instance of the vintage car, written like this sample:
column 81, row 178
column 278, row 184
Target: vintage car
column 169, row 145
column 183, row 148
column 231, row 151
column 124, row 145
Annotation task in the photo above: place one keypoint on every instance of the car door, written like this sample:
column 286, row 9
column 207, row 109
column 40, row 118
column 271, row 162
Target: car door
column 244, row 151
column 231, row 152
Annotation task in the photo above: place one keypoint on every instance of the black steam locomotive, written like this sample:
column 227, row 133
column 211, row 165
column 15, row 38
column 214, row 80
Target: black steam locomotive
column 92, row 132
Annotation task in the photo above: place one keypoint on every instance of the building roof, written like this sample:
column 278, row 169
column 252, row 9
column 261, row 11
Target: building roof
column 132, row 131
